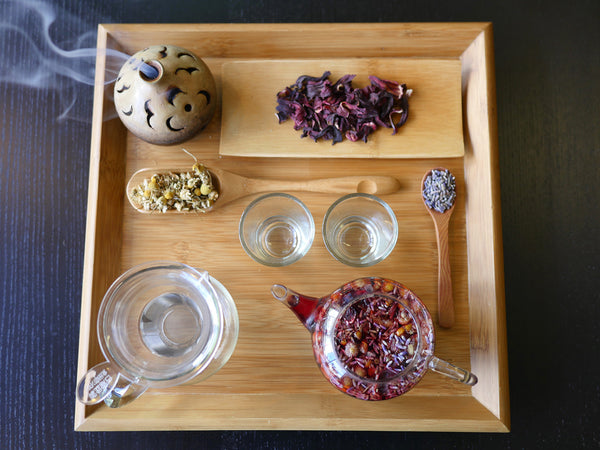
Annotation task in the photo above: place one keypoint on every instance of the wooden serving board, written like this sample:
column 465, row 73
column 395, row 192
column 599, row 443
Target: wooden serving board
column 271, row 380
column 249, row 126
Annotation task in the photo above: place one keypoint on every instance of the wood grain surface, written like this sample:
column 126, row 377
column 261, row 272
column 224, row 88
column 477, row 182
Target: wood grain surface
column 546, row 70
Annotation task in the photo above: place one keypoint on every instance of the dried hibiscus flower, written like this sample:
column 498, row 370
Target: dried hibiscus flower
column 332, row 111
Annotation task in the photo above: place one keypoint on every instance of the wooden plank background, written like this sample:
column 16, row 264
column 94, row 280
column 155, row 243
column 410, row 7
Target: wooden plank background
column 546, row 67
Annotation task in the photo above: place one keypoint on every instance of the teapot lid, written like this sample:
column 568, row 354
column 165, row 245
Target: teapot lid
column 160, row 323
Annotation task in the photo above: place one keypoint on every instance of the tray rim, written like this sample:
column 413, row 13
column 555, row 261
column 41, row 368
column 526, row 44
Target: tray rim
column 488, row 346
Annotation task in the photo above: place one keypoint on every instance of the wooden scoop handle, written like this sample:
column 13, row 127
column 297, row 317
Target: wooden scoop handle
column 445, row 300
column 367, row 184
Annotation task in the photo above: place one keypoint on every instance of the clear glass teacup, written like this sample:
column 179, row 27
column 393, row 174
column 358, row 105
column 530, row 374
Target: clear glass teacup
column 160, row 324
column 360, row 230
column 276, row 229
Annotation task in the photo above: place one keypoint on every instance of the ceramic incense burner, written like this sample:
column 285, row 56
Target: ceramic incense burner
column 165, row 94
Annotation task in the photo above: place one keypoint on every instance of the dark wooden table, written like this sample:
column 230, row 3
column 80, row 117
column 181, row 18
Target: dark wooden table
column 547, row 73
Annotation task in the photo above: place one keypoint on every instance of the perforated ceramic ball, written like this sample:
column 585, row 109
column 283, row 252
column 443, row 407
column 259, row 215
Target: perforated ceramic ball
column 165, row 94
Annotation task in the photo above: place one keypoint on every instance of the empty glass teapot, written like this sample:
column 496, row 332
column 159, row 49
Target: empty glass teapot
column 160, row 324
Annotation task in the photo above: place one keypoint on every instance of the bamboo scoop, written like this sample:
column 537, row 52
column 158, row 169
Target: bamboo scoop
column 232, row 186
column 441, row 220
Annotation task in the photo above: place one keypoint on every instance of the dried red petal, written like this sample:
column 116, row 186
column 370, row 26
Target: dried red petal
column 322, row 110
column 384, row 350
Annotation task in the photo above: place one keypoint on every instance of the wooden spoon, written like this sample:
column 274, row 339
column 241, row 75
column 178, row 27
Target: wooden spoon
column 232, row 186
column 445, row 299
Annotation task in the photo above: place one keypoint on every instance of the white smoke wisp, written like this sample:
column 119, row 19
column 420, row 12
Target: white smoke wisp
column 51, row 50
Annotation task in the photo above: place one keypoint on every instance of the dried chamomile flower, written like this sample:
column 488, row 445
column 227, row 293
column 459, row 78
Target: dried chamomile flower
column 185, row 191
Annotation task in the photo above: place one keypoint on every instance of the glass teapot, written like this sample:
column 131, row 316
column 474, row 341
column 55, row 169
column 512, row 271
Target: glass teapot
column 160, row 324
column 372, row 338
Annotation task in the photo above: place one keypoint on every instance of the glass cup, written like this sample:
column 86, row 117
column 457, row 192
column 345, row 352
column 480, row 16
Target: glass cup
column 360, row 230
column 276, row 229
column 160, row 324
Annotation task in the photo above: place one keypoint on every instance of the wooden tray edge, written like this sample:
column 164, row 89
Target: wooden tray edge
column 457, row 413
column 488, row 345
column 90, row 231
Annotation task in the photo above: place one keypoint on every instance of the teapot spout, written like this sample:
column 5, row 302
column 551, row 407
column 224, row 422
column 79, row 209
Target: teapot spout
column 304, row 307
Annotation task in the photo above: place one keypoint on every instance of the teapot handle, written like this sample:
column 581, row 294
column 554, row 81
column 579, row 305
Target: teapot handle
column 445, row 368
column 103, row 382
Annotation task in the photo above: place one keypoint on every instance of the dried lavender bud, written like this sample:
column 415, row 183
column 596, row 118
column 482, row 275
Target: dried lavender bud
column 439, row 190
column 323, row 110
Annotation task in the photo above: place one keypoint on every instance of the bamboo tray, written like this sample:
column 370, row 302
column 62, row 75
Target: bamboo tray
column 272, row 381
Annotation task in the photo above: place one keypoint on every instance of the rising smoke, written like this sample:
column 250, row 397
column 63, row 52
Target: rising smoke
column 41, row 53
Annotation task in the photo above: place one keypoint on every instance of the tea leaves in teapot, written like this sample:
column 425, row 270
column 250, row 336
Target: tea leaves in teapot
column 376, row 338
